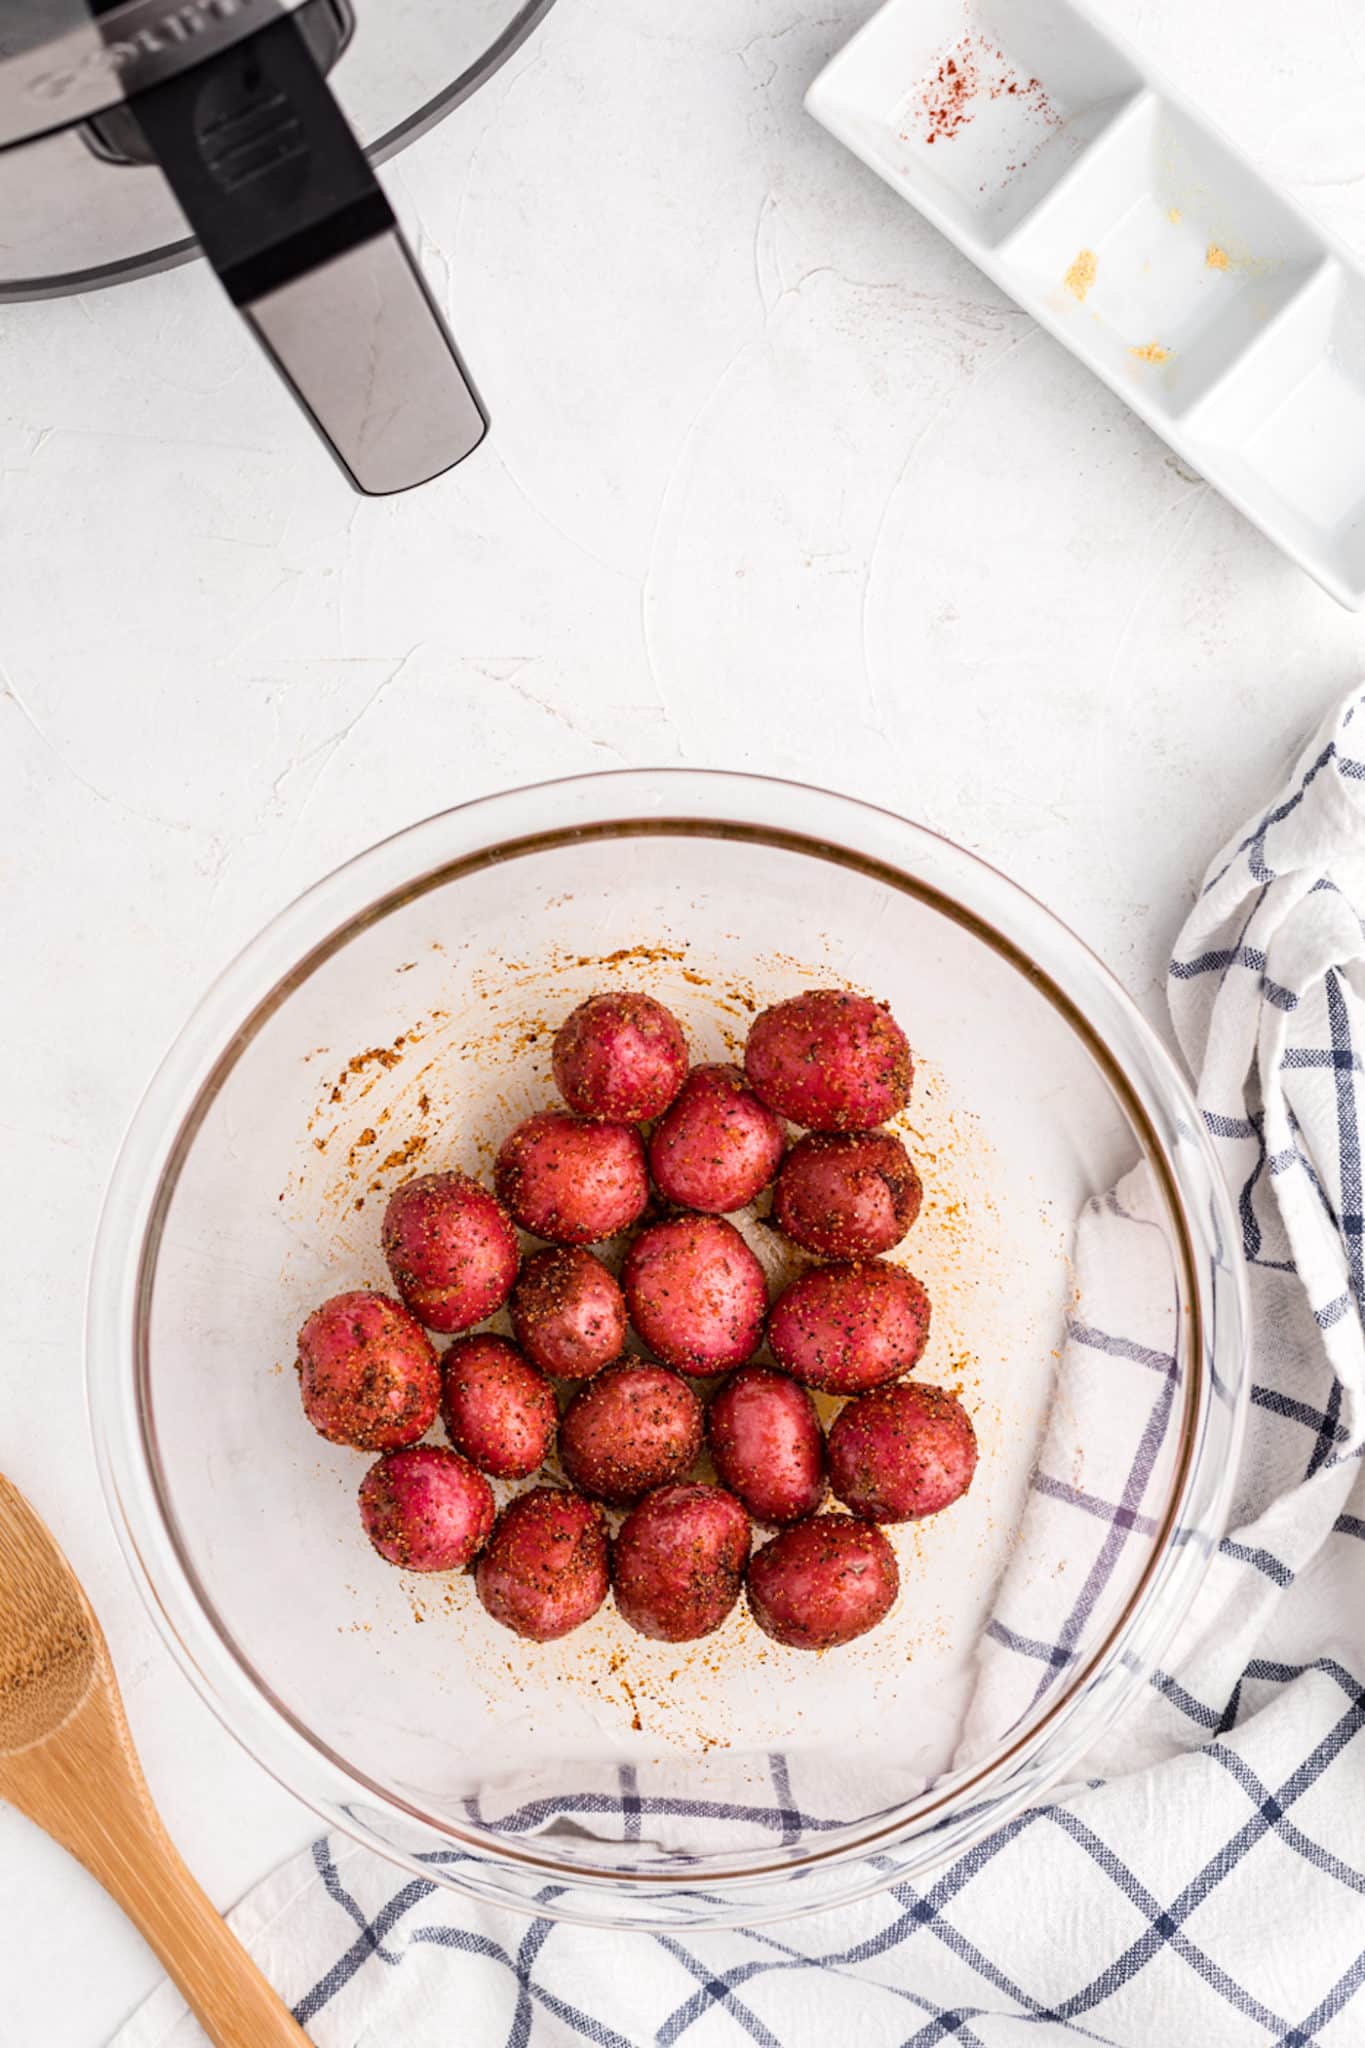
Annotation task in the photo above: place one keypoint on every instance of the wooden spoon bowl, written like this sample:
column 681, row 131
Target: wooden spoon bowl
column 68, row 1762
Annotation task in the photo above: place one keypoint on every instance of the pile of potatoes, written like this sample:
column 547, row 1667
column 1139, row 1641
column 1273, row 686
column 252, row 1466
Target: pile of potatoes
column 835, row 1063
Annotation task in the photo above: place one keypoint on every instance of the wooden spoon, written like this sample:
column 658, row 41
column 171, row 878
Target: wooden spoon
column 68, row 1762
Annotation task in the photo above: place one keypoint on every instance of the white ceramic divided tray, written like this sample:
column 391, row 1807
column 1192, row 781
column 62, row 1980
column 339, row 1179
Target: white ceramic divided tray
column 1137, row 235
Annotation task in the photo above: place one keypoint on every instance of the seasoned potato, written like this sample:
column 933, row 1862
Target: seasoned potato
column 901, row 1452
column 830, row 1060
column 718, row 1146
column 451, row 1249
column 678, row 1562
column 823, row 1582
column 568, row 1313
column 368, row 1375
column 767, row 1445
column 497, row 1407
column 425, row 1509
column 545, row 1570
column 620, row 1055
column 633, row 1427
column 572, row 1180
column 851, row 1326
column 696, row 1293
column 847, row 1194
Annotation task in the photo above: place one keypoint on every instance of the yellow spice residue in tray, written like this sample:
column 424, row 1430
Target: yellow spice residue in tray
column 1081, row 275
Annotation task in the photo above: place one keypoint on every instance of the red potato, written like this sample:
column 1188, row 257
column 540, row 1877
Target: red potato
column 620, row 1055
column 368, row 1375
column 823, row 1583
column 633, row 1427
column 851, row 1326
column 696, row 1293
column 568, row 1313
column 426, row 1510
column 767, row 1445
column 902, row 1452
column 545, row 1570
column 678, row 1562
column 497, row 1407
column 847, row 1194
column 572, row 1180
column 718, row 1146
column 830, row 1060
column 451, row 1249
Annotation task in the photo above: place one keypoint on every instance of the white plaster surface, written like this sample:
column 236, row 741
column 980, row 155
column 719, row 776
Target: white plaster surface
column 776, row 481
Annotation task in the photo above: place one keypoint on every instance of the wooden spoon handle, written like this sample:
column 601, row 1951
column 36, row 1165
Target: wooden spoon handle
column 85, row 1788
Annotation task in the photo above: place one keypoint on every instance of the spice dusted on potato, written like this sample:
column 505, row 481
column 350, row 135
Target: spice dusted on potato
column 572, row 1180
column 847, row 1194
column 368, row 1375
column 678, row 1562
column 850, row 1326
column 451, row 1249
column 823, row 1582
column 545, row 1569
column 902, row 1452
column 830, row 1060
column 718, row 1146
column 498, row 1408
column 696, row 1293
column 620, row 1055
column 765, row 1440
column 568, row 1313
column 633, row 1427
column 425, row 1509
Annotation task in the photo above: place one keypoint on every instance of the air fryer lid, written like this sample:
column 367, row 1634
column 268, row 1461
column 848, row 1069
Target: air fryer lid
column 130, row 129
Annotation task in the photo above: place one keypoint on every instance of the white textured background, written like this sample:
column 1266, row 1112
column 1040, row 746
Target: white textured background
column 777, row 480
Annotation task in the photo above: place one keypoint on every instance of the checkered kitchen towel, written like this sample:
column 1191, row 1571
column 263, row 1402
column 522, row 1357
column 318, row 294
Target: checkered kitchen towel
column 1205, row 1884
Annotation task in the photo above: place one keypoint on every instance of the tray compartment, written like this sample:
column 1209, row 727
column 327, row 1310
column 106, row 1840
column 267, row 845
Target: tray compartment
column 976, row 110
column 1286, row 428
column 1162, row 258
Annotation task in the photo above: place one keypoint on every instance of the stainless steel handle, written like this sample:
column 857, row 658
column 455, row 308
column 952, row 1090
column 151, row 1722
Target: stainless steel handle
column 371, row 362
column 289, row 213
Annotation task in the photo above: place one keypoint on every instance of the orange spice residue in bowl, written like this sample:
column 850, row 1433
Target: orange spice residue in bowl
column 1151, row 352
column 1081, row 275
column 974, row 70
column 1216, row 258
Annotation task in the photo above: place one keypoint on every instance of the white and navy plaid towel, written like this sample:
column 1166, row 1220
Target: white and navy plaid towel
column 1205, row 1884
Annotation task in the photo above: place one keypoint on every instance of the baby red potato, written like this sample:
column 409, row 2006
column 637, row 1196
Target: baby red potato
column 718, row 1146
column 498, row 1408
column 568, row 1313
column 368, row 1375
column 830, row 1060
column 848, row 1327
column 451, row 1249
column 570, row 1179
column 902, row 1452
column 620, row 1055
column 823, row 1582
column 426, row 1510
column 545, row 1570
column 696, row 1293
column 766, row 1443
column 847, row 1194
column 678, row 1562
column 633, row 1427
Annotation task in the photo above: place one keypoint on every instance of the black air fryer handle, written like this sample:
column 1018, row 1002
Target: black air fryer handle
column 288, row 212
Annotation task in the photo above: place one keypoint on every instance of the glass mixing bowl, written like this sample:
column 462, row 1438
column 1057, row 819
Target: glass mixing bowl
column 397, row 1017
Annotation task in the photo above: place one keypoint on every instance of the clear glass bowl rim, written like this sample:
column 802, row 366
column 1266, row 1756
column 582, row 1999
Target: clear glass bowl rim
column 820, row 824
